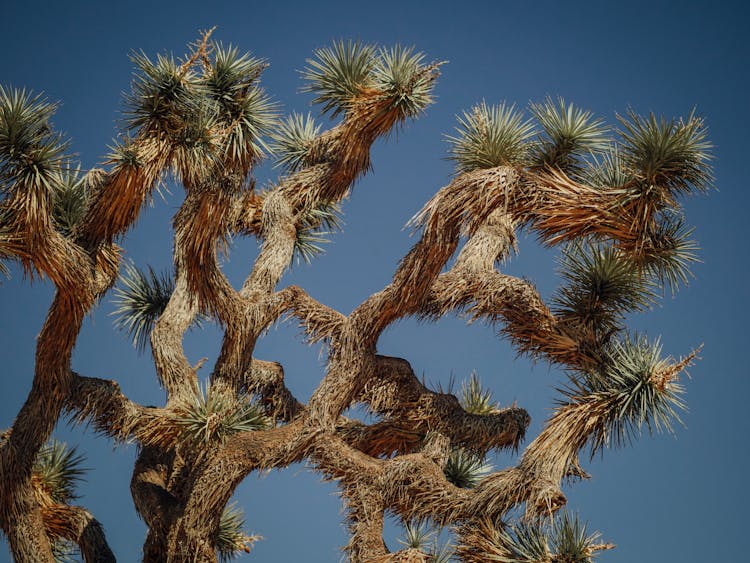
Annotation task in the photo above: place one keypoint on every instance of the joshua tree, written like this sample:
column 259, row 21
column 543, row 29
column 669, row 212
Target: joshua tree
column 608, row 196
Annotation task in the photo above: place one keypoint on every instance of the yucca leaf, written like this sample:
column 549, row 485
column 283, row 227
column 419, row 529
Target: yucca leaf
column 214, row 412
column 231, row 540
column 475, row 399
column 490, row 136
column 292, row 139
column 670, row 154
column 139, row 300
column 571, row 541
column 338, row 74
column 601, row 285
column 162, row 95
column 58, row 469
column 670, row 251
column 30, row 150
column 417, row 534
column 634, row 387
column 313, row 228
column 569, row 133
column 71, row 198
column 401, row 74
column 465, row 470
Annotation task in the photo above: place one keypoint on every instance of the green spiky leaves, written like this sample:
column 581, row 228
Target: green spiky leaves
column 244, row 110
column 465, row 470
column 160, row 96
column 566, row 540
column 602, row 284
column 418, row 534
column 214, row 412
column 475, row 399
column 671, row 154
column 292, row 140
column 402, row 75
column 338, row 74
column 209, row 108
column 633, row 387
column 569, row 134
column 312, row 229
column 232, row 541
column 490, row 136
column 140, row 300
column 58, row 471
column 343, row 73
column 31, row 152
column 71, row 199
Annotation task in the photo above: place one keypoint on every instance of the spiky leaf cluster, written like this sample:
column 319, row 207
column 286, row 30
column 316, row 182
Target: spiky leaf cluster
column 490, row 136
column 214, row 412
column 601, row 285
column 419, row 534
column 569, row 134
column 566, row 540
column 139, row 301
column 58, row 471
column 161, row 94
column 315, row 224
column 231, row 540
column 670, row 154
column 244, row 110
column 292, row 139
column 465, row 470
column 401, row 74
column 572, row 542
column 634, row 387
column 338, row 74
column 670, row 251
column 345, row 72
column 71, row 198
column 475, row 399
column 31, row 152
column 7, row 239
column 607, row 170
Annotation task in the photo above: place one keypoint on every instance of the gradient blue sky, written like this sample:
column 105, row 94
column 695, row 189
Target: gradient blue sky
column 667, row 498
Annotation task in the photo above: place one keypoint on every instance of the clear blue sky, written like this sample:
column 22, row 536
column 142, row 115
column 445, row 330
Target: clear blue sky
column 667, row 498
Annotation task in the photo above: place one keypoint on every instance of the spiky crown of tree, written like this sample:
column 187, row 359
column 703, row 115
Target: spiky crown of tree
column 608, row 196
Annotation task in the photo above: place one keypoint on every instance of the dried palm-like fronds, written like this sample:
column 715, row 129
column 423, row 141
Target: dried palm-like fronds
column 490, row 136
column 402, row 76
column 601, row 285
column 293, row 140
column 475, row 399
column 215, row 412
column 570, row 133
column 57, row 471
column 465, row 470
column 139, row 301
column 231, row 540
column 672, row 155
column 339, row 73
column 316, row 223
